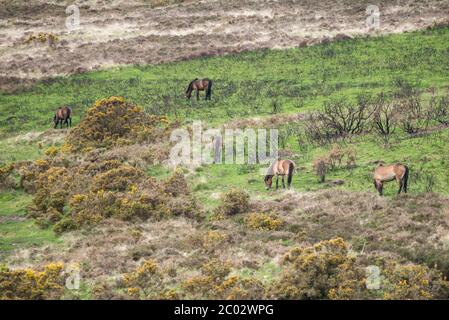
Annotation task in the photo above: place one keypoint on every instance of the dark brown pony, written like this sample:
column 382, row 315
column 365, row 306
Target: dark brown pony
column 63, row 115
column 280, row 168
column 199, row 85
column 398, row 172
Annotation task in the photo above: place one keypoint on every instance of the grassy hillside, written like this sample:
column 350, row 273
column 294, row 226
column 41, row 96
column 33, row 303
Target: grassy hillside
column 245, row 85
column 190, row 252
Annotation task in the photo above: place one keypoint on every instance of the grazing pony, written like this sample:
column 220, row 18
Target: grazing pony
column 280, row 168
column 199, row 85
column 63, row 115
column 398, row 172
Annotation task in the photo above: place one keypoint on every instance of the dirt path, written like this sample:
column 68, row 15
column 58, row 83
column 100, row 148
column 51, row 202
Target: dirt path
column 128, row 32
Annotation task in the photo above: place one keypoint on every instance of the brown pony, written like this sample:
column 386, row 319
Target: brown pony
column 63, row 115
column 280, row 168
column 200, row 85
column 397, row 171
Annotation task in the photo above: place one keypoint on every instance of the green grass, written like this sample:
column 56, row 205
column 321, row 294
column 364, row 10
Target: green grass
column 18, row 150
column 13, row 203
column 15, row 230
column 427, row 157
column 245, row 84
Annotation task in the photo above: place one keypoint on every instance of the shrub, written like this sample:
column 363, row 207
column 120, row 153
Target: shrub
column 233, row 202
column 5, row 176
column 345, row 119
column 64, row 225
column 351, row 158
column 177, row 185
column 329, row 270
column 215, row 282
column 42, row 37
column 335, row 156
column 320, row 166
column 114, row 121
column 95, row 191
column 122, row 178
column 416, row 282
column 316, row 130
column 145, row 281
column 263, row 221
column 385, row 118
column 30, row 284
column 51, row 151
column 440, row 110
column 413, row 116
column 321, row 271
column 29, row 173
column 148, row 281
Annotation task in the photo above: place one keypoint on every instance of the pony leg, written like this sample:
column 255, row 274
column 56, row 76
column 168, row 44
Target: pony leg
column 401, row 184
column 283, row 182
column 277, row 182
column 70, row 121
column 197, row 95
column 378, row 185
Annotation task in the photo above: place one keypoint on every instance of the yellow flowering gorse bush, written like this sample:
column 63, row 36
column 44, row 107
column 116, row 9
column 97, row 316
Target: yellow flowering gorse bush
column 30, row 284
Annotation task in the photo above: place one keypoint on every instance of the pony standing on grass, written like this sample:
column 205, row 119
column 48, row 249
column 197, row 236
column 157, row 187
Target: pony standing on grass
column 63, row 115
column 280, row 168
column 397, row 171
column 199, row 85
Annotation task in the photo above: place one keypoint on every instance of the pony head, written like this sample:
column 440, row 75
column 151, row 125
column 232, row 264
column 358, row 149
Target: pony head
column 268, row 181
column 190, row 89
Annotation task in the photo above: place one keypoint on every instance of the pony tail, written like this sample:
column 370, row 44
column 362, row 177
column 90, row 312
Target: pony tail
column 406, row 174
column 209, row 89
column 291, row 168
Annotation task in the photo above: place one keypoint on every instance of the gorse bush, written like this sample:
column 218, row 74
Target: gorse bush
column 73, row 189
column 145, row 282
column 42, row 37
column 177, row 185
column 263, row 221
column 315, row 272
column 30, row 284
column 329, row 270
column 216, row 282
column 114, row 121
column 5, row 176
column 233, row 202
column 415, row 282
column 86, row 193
